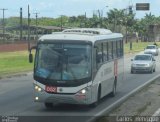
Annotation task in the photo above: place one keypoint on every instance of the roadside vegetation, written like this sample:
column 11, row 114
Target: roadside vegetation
column 125, row 19
column 17, row 62
column 14, row 62
column 136, row 47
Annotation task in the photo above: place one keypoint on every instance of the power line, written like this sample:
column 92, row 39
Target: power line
column 3, row 22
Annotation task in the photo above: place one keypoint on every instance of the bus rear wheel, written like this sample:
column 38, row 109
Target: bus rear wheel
column 114, row 91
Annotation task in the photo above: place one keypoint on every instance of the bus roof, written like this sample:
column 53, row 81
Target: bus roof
column 86, row 34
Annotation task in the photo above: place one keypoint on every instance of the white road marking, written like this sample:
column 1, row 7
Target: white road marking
column 157, row 113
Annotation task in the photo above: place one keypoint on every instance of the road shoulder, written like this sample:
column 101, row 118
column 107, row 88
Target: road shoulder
column 143, row 103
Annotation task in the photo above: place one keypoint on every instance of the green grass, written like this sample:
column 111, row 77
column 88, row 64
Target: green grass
column 17, row 62
column 14, row 62
column 136, row 47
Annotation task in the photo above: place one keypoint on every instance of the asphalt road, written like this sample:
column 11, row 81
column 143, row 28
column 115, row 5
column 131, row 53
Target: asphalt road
column 16, row 98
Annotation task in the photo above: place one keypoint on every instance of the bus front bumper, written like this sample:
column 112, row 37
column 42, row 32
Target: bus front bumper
column 56, row 98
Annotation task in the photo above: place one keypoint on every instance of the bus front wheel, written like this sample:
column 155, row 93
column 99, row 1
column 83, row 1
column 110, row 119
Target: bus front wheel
column 48, row 105
column 98, row 97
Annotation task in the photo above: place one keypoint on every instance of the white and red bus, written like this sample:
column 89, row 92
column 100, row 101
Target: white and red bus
column 77, row 66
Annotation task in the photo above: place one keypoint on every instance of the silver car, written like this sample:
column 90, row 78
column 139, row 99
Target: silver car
column 151, row 49
column 143, row 63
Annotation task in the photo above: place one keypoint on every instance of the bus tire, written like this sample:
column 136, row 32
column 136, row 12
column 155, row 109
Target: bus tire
column 132, row 71
column 98, row 97
column 151, row 71
column 48, row 105
column 114, row 90
column 154, row 70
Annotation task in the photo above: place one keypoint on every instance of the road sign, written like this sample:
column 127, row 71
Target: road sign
column 142, row 6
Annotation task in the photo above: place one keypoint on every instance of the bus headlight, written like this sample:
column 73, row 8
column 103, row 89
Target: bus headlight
column 36, row 98
column 81, row 94
column 37, row 88
column 83, row 91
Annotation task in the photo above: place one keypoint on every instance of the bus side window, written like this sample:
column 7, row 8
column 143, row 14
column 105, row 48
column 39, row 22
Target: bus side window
column 99, row 58
column 105, row 51
column 118, row 48
column 121, row 48
column 114, row 49
column 110, row 50
column 99, row 54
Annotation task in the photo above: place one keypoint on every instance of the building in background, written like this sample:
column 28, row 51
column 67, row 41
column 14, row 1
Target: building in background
column 154, row 32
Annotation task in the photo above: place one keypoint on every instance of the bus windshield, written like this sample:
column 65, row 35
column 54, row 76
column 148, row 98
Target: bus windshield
column 63, row 62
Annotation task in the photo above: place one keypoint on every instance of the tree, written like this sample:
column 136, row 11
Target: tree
column 116, row 18
column 142, row 26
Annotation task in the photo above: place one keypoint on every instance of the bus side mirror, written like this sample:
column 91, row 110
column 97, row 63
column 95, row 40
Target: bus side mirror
column 30, row 54
column 30, row 58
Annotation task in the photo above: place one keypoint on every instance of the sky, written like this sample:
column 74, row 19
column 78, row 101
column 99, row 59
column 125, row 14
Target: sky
column 56, row 8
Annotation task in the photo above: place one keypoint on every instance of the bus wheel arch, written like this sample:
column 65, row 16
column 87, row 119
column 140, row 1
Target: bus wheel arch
column 98, row 96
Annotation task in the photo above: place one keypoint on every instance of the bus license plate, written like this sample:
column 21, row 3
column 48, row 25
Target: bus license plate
column 51, row 89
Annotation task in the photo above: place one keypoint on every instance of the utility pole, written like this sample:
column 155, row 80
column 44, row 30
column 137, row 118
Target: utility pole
column 126, row 30
column 21, row 28
column 130, row 13
column 61, row 22
column 85, row 23
column 3, row 23
column 100, row 18
column 28, row 29
column 36, row 25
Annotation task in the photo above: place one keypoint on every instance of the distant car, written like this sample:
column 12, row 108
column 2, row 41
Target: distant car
column 143, row 63
column 151, row 49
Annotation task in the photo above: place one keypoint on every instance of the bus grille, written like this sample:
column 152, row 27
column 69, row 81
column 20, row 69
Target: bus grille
column 60, row 99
